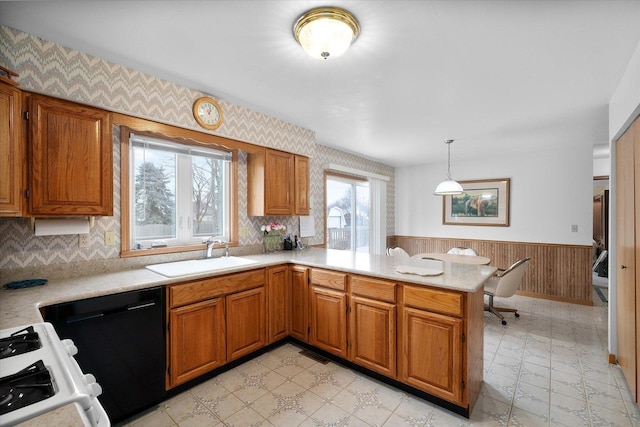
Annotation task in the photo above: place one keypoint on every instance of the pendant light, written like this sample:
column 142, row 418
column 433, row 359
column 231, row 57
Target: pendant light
column 449, row 186
column 326, row 32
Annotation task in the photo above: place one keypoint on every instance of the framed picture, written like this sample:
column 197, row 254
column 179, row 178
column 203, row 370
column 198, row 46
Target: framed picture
column 483, row 202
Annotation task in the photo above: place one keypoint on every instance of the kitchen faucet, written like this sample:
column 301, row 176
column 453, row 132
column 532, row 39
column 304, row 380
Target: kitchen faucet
column 210, row 243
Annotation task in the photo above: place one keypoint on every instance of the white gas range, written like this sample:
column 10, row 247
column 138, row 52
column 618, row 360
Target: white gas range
column 39, row 374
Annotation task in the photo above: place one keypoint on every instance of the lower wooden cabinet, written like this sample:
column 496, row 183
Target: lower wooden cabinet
column 299, row 314
column 246, row 322
column 197, row 337
column 213, row 321
column 278, row 303
column 372, row 338
column 372, row 324
column 328, row 314
column 432, row 353
column 410, row 333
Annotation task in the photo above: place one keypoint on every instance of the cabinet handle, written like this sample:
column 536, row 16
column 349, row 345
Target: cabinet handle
column 623, row 266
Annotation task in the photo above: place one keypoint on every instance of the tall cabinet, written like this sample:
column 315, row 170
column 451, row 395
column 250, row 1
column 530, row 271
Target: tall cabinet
column 11, row 150
column 627, row 243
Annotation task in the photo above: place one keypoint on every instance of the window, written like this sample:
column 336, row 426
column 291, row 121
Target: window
column 347, row 213
column 178, row 194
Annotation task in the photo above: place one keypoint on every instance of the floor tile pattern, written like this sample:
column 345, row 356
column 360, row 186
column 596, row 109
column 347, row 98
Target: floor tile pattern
column 547, row 368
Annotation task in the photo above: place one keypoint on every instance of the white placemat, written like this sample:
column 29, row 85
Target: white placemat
column 420, row 271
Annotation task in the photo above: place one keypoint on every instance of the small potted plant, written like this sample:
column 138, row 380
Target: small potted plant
column 273, row 233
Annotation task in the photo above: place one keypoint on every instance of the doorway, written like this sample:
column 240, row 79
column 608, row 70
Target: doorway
column 600, row 272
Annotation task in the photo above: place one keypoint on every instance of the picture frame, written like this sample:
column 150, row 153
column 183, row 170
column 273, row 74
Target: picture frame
column 483, row 202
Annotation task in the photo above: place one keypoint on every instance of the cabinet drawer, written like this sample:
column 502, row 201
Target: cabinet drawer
column 200, row 290
column 432, row 300
column 375, row 289
column 329, row 279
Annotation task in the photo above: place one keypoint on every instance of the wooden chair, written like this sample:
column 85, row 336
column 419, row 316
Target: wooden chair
column 504, row 284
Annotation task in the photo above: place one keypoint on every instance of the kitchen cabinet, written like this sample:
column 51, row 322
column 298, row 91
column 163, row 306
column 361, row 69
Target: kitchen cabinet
column 278, row 303
column 299, row 308
column 12, row 151
column 372, row 321
column 328, row 311
column 214, row 321
column 197, row 340
column 277, row 183
column 246, row 322
column 301, row 199
column 432, row 342
column 70, row 158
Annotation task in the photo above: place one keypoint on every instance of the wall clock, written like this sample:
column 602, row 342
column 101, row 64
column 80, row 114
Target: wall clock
column 207, row 112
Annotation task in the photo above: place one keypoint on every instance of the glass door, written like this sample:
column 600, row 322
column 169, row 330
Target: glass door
column 347, row 213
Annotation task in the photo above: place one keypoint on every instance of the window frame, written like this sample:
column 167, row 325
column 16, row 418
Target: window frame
column 181, row 136
column 183, row 177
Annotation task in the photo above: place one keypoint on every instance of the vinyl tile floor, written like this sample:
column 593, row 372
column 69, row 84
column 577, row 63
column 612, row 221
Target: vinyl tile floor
column 547, row 368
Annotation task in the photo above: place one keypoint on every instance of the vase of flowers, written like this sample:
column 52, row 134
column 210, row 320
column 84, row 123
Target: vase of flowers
column 273, row 233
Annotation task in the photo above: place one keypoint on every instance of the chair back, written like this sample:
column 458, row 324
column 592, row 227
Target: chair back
column 510, row 279
column 462, row 251
column 397, row 252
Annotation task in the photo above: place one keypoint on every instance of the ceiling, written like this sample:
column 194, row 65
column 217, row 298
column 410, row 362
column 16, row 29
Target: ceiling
column 499, row 77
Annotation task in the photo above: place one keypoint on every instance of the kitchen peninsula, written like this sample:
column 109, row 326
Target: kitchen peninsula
column 335, row 301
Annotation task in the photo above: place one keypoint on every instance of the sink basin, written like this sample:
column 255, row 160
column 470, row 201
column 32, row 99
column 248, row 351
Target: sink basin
column 198, row 266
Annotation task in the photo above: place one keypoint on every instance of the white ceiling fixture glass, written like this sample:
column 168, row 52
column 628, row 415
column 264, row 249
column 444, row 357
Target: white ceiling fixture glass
column 449, row 186
column 326, row 32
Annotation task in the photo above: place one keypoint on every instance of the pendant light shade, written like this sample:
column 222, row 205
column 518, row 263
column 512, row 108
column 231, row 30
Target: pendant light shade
column 326, row 32
column 449, row 186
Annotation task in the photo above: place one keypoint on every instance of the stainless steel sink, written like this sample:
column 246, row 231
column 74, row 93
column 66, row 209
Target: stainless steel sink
column 198, row 266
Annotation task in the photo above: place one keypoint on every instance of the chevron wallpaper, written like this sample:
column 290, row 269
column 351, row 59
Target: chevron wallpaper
column 48, row 68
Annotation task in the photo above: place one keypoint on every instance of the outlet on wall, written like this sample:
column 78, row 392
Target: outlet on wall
column 109, row 238
column 83, row 240
column 574, row 228
column 243, row 231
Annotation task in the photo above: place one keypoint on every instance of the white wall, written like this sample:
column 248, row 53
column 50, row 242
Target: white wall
column 550, row 191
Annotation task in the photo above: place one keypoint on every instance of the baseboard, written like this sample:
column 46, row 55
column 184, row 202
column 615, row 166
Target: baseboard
column 554, row 298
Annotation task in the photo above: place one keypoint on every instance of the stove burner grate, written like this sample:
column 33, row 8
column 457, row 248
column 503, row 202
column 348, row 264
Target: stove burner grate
column 25, row 387
column 20, row 342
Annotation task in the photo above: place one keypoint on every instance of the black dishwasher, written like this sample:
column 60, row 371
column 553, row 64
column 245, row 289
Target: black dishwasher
column 120, row 340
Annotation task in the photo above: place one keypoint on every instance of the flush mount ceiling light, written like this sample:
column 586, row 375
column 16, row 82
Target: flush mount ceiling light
column 326, row 32
column 448, row 186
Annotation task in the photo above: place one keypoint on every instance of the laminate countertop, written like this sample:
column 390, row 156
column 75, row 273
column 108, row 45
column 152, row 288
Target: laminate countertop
column 21, row 306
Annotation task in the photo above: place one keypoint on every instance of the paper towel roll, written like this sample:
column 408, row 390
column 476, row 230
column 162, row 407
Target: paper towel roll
column 58, row 226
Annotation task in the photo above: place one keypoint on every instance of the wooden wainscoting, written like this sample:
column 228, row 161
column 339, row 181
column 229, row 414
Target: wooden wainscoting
column 558, row 272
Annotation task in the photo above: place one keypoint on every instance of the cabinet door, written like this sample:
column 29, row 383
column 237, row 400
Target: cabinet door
column 373, row 335
column 196, row 340
column 329, row 320
column 278, row 183
column 299, row 313
column 71, row 157
column 246, row 322
column 12, row 161
column 432, row 353
column 301, row 185
column 278, row 304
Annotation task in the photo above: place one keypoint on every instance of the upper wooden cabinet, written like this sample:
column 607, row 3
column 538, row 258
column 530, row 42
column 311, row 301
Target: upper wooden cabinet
column 301, row 186
column 278, row 183
column 70, row 158
column 12, row 147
